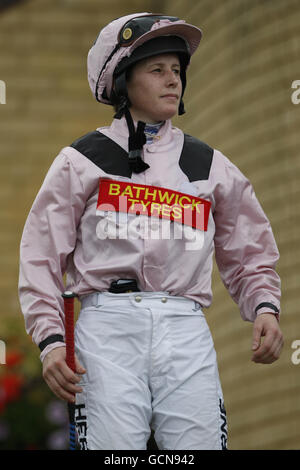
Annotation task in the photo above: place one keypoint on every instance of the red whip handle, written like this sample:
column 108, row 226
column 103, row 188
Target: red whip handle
column 69, row 329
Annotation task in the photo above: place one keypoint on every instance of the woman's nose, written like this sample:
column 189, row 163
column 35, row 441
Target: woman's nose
column 173, row 78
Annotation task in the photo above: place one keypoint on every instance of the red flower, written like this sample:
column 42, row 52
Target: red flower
column 13, row 358
column 2, row 398
column 10, row 388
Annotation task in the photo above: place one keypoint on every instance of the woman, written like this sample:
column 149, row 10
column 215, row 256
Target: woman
column 132, row 212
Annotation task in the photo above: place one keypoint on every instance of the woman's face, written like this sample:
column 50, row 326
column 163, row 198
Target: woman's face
column 154, row 88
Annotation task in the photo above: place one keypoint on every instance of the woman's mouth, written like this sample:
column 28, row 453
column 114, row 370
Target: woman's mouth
column 171, row 96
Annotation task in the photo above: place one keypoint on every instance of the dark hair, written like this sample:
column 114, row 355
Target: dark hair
column 116, row 99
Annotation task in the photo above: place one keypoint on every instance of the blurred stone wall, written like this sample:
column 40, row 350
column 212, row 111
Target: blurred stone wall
column 238, row 100
column 44, row 46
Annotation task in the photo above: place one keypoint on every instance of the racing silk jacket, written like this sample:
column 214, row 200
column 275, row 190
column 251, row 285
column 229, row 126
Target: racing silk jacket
column 65, row 233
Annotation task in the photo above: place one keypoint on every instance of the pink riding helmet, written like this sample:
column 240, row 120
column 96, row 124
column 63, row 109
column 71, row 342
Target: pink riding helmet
column 122, row 43
column 122, row 36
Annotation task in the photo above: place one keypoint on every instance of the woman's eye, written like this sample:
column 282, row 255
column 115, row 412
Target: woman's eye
column 159, row 70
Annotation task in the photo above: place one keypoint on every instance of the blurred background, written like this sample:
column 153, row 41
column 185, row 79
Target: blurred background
column 239, row 99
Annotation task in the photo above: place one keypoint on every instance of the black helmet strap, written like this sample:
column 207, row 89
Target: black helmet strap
column 137, row 138
column 136, row 141
column 120, row 90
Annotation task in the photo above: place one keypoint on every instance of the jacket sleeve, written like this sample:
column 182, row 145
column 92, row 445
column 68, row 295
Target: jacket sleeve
column 245, row 249
column 49, row 237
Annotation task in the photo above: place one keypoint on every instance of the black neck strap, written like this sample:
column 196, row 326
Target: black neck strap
column 136, row 140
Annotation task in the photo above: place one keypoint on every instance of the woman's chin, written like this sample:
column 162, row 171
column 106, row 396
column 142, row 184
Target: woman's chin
column 165, row 114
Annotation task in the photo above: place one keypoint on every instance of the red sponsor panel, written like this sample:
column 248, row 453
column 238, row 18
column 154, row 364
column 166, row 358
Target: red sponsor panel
column 141, row 199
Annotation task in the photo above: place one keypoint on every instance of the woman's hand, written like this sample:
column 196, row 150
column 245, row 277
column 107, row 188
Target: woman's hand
column 266, row 325
column 59, row 377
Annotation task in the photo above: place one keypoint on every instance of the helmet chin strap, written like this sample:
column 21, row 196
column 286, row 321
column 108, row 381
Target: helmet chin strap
column 136, row 141
column 181, row 109
column 137, row 138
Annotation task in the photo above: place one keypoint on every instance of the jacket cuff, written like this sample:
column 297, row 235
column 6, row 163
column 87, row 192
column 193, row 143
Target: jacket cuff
column 51, row 339
column 267, row 307
column 49, row 348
